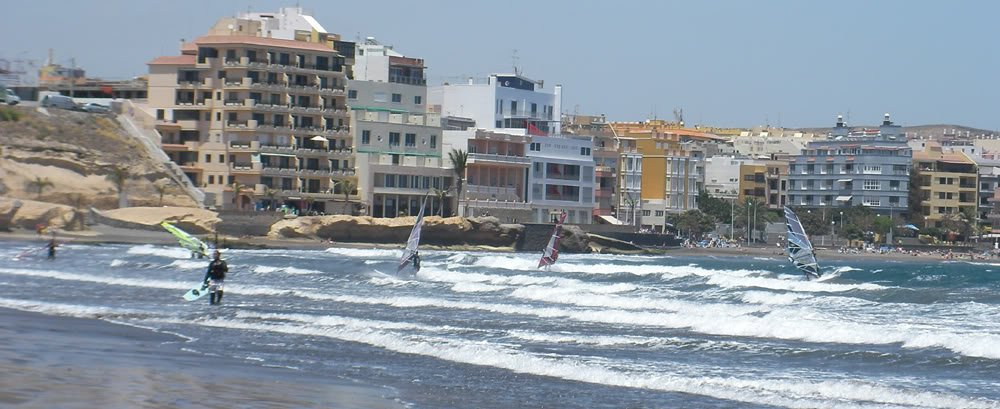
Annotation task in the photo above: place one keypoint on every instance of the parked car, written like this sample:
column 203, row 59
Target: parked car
column 59, row 101
column 9, row 97
column 96, row 108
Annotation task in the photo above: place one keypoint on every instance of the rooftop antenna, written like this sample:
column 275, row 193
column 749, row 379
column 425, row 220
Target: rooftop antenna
column 514, row 60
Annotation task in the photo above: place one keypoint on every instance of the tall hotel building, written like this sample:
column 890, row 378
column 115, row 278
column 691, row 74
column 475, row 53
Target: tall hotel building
column 256, row 120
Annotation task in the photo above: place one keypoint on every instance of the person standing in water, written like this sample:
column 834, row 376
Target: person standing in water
column 215, row 276
column 52, row 248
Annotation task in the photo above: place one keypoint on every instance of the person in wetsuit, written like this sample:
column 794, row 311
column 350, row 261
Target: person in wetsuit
column 416, row 261
column 215, row 276
column 52, row 248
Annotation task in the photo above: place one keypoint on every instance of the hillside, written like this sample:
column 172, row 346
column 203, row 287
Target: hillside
column 75, row 151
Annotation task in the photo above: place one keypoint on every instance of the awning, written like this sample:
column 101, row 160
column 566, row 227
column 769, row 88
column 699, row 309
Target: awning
column 319, row 138
column 843, row 198
column 287, row 155
column 844, row 180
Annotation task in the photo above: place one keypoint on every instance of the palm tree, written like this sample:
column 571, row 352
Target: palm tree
column 347, row 187
column 441, row 196
column 272, row 196
column 161, row 189
column 238, row 189
column 309, row 201
column 119, row 177
column 458, row 159
column 40, row 184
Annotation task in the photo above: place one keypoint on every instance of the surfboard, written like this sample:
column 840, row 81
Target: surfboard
column 197, row 292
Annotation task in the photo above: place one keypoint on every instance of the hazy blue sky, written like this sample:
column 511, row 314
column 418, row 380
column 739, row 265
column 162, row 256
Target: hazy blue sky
column 726, row 63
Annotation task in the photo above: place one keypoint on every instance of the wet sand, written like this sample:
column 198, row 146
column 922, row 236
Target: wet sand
column 63, row 362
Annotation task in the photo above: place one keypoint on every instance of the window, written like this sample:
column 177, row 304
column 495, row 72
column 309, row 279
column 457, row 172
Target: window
column 535, row 146
column 411, row 140
column 393, row 138
column 417, row 99
column 646, row 213
column 872, row 169
column 513, row 107
column 222, row 159
column 208, row 158
column 390, row 180
column 366, row 137
column 538, row 170
column 404, row 181
column 211, row 179
column 872, row 184
column 585, row 151
column 395, row 159
column 397, row 98
column 434, row 141
column 352, row 94
column 872, row 201
column 659, row 213
column 379, row 97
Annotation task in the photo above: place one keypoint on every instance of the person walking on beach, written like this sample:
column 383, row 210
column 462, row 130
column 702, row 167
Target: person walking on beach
column 215, row 276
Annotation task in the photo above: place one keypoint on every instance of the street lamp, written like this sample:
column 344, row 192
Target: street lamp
column 833, row 227
column 841, row 222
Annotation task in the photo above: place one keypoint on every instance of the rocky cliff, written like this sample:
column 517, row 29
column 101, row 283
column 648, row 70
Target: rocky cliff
column 451, row 231
column 74, row 152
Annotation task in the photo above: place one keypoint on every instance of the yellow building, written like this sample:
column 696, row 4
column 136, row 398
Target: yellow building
column 753, row 181
column 948, row 184
column 671, row 171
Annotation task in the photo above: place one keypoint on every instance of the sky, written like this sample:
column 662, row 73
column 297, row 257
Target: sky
column 725, row 63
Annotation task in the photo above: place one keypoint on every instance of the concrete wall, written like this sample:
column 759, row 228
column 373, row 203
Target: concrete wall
column 246, row 223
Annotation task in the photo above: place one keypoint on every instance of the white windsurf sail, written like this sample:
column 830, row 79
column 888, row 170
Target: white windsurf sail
column 551, row 252
column 406, row 264
column 186, row 240
column 800, row 250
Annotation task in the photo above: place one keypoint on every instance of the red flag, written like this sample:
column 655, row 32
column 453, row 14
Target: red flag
column 533, row 130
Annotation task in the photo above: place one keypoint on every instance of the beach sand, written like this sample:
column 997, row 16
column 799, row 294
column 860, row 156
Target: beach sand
column 62, row 362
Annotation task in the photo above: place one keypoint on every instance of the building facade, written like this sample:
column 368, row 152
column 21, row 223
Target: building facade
column 868, row 168
column 606, row 162
column 258, row 121
column 561, row 178
column 495, row 175
column 398, row 144
column 501, row 101
column 722, row 176
column 948, row 184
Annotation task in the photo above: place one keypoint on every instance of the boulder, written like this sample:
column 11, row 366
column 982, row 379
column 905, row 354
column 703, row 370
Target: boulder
column 574, row 240
column 189, row 219
column 33, row 213
column 448, row 231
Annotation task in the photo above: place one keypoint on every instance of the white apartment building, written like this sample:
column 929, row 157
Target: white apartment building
column 629, row 202
column 501, row 101
column 398, row 144
column 765, row 142
column 495, row 174
column 561, row 177
column 722, row 176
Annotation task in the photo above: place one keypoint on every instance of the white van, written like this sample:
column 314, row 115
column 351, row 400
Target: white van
column 9, row 97
column 59, row 101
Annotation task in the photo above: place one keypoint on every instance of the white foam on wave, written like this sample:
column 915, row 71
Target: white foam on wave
column 572, row 296
column 476, row 288
column 788, row 283
column 118, row 262
column 365, row 253
column 262, row 269
column 451, row 276
column 70, row 310
column 189, row 264
column 151, row 250
column 769, row 298
column 790, row 324
column 779, row 392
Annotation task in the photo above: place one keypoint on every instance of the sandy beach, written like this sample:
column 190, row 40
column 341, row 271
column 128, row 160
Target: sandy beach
column 53, row 361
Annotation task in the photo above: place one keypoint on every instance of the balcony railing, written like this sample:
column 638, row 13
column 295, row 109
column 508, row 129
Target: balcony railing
column 402, row 79
column 487, row 157
column 496, row 204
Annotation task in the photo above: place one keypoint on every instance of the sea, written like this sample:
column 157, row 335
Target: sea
column 490, row 330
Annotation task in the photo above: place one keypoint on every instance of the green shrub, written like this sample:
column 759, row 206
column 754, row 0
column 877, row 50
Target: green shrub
column 9, row 114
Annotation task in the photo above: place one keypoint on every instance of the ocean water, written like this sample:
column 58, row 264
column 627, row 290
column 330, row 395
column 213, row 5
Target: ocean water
column 488, row 330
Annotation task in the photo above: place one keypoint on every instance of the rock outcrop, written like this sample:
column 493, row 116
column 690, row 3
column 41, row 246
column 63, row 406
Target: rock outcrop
column 191, row 220
column 32, row 214
column 451, row 231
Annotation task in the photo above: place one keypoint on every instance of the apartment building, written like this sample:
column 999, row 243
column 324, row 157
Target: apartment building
column 948, row 183
column 722, row 176
column 629, row 197
column 606, row 161
column 501, row 101
column 256, row 121
column 764, row 142
column 989, row 183
column 496, row 172
column 672, row 170
column 398, row 144
column 866, row 167
column 561, row 178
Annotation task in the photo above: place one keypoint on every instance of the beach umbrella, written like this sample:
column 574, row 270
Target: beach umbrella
column 911, row 227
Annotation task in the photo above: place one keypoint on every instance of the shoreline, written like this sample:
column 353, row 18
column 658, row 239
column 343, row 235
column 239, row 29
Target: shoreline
column 111, row 235
column 72, row 362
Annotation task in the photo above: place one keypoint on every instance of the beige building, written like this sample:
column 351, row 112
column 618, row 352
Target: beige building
column 268, row 115
column 948, row 184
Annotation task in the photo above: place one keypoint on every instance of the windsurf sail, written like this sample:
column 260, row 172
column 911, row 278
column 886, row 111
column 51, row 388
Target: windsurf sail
column 406, row 262
column 551, row 252
column 186, row 240
column 800, row 250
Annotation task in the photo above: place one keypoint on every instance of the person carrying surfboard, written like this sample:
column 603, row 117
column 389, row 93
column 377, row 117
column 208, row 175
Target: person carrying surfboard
column 215, row 276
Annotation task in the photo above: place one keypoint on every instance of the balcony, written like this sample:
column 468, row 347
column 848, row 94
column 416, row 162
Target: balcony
column 527, row 114
column 402, row 79
column 245, row 167
column 271, row 170
column 604, row 169
column 249, row 125
column 276, row 148
column 237, row 147
column 508, row 193
column 499, row 159
column 496, row 204
column 189, row 146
